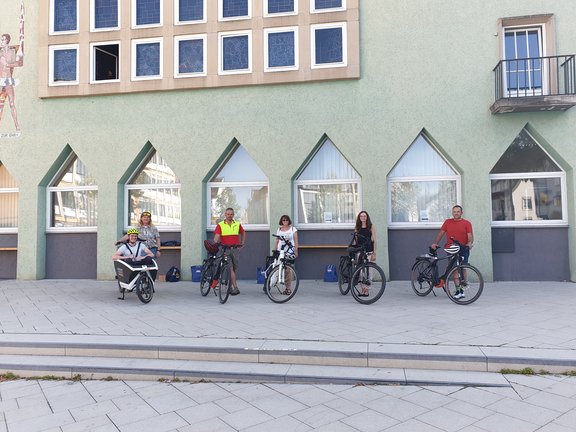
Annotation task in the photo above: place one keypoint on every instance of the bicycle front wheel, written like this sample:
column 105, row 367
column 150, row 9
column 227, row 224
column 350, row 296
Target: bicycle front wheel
column 282, row 283
column 368, row 283
column 422, row 278
column 144, row 288
column 464, row 284
column 205, row 279
column 224, row 284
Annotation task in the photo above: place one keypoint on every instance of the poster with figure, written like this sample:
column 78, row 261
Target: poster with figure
column 11, row 57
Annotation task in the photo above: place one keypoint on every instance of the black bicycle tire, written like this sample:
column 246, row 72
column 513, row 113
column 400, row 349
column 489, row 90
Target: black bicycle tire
column 415, row 275
column 141, row 292
column 224, row 283
column 356, row 274
column 344, row 291
column 294, row 287
column 205, row 279
column 467, row 300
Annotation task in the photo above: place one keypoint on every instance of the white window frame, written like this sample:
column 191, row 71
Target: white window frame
column 268, row 31
column 532, row 175
column 135, row 43
column 93, row 46
column 51, row 189
column 224, row 35
column 268, row 14
column 541, row 28
column 9, row 230
column 51, row 50
column 93, row 18
column 247, row 226
column 136, row 26
column 314, row 10
column 235, row 18
column 313, row 28
column 54, row 32
column 177, row 40
column 177, row 14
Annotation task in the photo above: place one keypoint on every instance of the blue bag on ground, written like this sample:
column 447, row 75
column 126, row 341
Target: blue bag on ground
column 330, row 274
column 196, row 273
column 260, row 275
column 173, row 275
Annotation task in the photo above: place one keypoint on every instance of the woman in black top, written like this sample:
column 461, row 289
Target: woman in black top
column 366, row 229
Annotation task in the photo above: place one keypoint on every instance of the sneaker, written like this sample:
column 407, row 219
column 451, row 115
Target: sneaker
column 234, row 291
column 440, row 284
column 459, row 294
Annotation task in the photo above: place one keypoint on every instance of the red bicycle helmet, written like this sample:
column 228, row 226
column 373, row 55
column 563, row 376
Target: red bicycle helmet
column 210, row 246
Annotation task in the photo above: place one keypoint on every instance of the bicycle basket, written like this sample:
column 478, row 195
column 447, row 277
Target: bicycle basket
column 452, row 249
column 210, row 246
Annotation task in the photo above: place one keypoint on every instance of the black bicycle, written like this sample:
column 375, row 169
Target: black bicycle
column 281, row 278
column 216, row 272
column 357, row 274
column 462, row 282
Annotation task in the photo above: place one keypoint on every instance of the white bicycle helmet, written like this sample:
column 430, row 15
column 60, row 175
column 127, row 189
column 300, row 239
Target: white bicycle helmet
column 452, row 249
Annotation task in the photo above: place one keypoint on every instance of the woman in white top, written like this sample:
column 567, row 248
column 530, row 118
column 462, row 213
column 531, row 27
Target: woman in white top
column 286, row 230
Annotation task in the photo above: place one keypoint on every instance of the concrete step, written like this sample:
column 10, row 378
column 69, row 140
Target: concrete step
column 260, row 351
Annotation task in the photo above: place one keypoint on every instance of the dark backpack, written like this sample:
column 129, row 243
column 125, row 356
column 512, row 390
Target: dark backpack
column 173, row 275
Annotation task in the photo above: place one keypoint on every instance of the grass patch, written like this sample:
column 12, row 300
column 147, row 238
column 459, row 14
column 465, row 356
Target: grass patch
column 525, row 371
column 8, row 376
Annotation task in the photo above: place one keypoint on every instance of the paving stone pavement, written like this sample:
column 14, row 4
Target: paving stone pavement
column 520, row 315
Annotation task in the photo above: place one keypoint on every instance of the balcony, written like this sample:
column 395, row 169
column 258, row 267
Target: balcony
column 535, row 84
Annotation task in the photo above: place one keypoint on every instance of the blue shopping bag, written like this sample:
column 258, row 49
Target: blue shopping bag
column 330, row 274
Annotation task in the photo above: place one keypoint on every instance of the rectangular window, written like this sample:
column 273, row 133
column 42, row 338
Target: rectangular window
column 234, row 9
column 74, row 208
column 328, row 45
column 280, row 49
column 189, row 56
column 328, row 203
column 280, row 7
column 422, row 201
column 105, row 15
column 8, row 201
column 63, row 67
column 146, row 13
column 147, row 59
column 188, row 11
column 104, row 61
column 250, row 203
column 235, row 52
column 523, row 61
column 64, row 16
column 327, row 5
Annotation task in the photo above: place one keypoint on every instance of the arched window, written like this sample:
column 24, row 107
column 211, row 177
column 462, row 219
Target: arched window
column 72, row 198
column 327, row 190
column 155, row 188
column 242, row 185
column 8, row 201
column 422, row 186
column 528, row 186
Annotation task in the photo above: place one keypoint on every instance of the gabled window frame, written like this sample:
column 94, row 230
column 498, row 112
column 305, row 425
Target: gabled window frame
column 10, row 190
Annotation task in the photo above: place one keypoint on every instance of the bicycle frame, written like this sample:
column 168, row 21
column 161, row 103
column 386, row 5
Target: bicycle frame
column 280, row 258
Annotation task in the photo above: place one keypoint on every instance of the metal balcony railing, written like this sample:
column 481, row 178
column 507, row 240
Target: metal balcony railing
column 536, row 76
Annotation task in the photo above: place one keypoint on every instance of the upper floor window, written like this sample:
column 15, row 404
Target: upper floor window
column 190, row 11
column 280, row 49
column 147, row 59
column 328, row 45
column 422, row 187
column 63, row 16
column 146, row 13
column 189, row 56
column 105, row 62
column 234, row 9
column 327, row 5
column 280, row 7
column 240, row 184
column 63, row 67
column 72, row 198
column 327, row 191
column 155, row 188
column 528, row 186
column 105, row 15
column 8, row 201
column 235, row 52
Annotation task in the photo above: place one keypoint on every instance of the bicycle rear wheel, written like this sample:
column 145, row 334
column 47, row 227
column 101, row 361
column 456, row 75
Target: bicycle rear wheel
column 281, row 288
column 205, row 278
column 421, row 278
column 368, row 283
column 464, row 284
column 144, row 288
column 344, row 276
column 224, row 284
